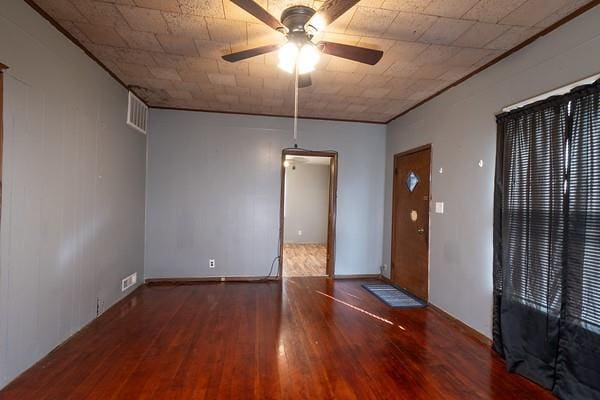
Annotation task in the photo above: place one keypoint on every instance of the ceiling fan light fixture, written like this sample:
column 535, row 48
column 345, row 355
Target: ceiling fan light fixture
column 288, row 53
column 317, row 22
column 309, row 57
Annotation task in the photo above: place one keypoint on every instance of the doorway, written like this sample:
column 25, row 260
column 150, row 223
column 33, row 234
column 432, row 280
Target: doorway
column 410, row 221
column 307, row 213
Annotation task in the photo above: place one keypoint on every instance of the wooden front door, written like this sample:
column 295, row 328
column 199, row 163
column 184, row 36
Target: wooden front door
column 410, row 221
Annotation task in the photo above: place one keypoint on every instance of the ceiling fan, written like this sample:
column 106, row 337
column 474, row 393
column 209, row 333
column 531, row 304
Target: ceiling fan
column 300, row 24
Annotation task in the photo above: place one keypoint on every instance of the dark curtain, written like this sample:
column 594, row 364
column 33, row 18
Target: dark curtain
column 546, row 315
column 578, row 369
column 532, row 238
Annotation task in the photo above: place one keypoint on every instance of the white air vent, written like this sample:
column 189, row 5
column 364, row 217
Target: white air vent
column 137, row 113
column 128, row 282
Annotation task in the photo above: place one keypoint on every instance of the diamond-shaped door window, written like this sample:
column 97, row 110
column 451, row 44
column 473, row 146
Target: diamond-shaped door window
column 411, row 181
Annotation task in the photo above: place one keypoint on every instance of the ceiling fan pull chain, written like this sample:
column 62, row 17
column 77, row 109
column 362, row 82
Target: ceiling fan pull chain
column 296, row 103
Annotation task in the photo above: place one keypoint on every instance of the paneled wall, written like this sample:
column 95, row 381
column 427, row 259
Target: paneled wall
column 214, row 184
column 461, row 127
column 73, row 190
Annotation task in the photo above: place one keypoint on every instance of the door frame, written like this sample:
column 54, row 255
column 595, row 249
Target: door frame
column 331, row 220
column 2, row 69
column 393, row 244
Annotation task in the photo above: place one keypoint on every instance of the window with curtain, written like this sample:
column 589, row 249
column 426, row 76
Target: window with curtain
column 547, row 242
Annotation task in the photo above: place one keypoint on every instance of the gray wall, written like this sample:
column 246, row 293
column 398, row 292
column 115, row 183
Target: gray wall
column 73, row 193
column 213, row 192
column 306, row 203
column 461, row 126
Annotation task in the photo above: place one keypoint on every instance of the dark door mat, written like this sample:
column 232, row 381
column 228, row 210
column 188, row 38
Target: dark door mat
column 394, row 297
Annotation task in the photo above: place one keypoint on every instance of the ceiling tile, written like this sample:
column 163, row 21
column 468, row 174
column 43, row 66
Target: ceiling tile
column 533, row 11
column 164, row 73
column 178, row 44
column 561, row 13
column 168, row 60
column 205, row 8
column 162, row 5
column 61, row 9
column 409, row 27
column 449, row 8
column 134, row 70
column 239, row 68
column 234, row 12
column 467, row 56
column 412, row 6
column 144, row 19
column 261, row 35
column 342, row 65
column 102, row 35
column 171, row 50
column 492, row 10
column 105, row 14
column 136, row 57
column 211, row 48
column 179, row 94
column 222, row 79
column 227, row 31
column 161, row 84
column 140, row 40
column 435, row 54
column 445, row 30
column 376, row 93
column 74, row 30
column 202, row 64
column 512, row 37
column 370, row 21
column 480, row 34
column 184, row 24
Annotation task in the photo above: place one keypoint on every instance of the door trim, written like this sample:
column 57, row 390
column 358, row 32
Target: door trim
column 331, row 220
column 393, row 246
column 2, row 68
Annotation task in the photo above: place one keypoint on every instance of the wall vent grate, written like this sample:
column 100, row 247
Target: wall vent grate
column 137, row 113
column 129, row 282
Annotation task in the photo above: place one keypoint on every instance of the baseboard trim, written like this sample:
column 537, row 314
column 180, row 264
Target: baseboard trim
column 209, row 279
column 462, row 327
column 458, row 324
column 363, row 276
column 106, row 314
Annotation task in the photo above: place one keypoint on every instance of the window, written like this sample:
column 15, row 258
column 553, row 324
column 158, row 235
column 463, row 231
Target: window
column 547, row 242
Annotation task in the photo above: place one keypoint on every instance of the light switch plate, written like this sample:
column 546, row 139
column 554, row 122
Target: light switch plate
column 439, row 207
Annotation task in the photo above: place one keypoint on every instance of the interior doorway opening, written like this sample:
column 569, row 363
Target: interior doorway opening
column 308, row 199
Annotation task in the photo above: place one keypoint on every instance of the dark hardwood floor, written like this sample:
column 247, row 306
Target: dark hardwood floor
column 304, row 338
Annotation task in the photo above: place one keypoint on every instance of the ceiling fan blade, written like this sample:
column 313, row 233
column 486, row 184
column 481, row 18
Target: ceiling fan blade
column 257, row 11
column 354, row 53
column 256, row 51
column 330, row 11
column 304, row 81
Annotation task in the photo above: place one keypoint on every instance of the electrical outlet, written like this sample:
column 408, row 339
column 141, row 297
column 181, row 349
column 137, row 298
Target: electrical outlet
column 211, row 263
column 299, row 232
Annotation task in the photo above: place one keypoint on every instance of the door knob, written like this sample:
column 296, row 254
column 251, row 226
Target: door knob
column 421, row 231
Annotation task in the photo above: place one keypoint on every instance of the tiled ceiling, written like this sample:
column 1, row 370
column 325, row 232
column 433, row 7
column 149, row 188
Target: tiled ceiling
column 171, row 51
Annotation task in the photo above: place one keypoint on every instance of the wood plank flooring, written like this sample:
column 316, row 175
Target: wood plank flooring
column 304, row 259
column 304, row 338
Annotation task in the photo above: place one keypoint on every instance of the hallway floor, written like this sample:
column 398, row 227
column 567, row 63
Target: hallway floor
column 304, row 259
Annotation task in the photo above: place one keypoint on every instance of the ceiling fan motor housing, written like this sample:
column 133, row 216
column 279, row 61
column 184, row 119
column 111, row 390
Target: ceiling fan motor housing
column 295, row 18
